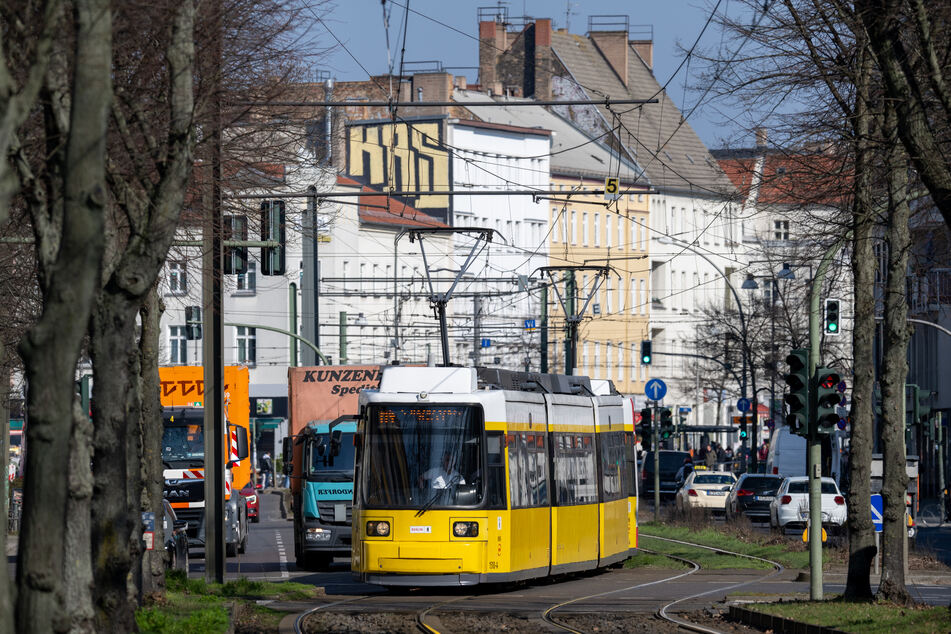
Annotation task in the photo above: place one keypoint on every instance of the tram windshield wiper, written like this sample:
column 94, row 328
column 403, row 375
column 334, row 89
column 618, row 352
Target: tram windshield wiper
column 431, row 501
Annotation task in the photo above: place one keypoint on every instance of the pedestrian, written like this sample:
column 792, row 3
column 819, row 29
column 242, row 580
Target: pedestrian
column 763, row 451
column 710, row 458
column 267, row 468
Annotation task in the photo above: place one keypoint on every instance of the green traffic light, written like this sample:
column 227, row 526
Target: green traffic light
column 833, row 327
column 645, row 360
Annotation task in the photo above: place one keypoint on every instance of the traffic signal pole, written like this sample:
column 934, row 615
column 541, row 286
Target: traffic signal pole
column 655, row 432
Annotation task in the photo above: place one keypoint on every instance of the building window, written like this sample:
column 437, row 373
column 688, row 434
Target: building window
column 607, row 231
column 607, row 296
column 597, row 359
column 584, row 229
column 597, row 230
column 246, row 281
column 620, row 361
column 177, row 278
column 555, row 234
column 619, row 232
column 574, row 227
column 634, row 300
column 177, row 345
column 246, row 340
column 609, row 360
column 781, row 230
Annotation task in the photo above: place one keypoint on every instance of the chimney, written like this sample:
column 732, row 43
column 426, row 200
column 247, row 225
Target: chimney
column 762, row 136
column 644, row 50
column 543, row 59
column 613, row 46
column 432, row 87
column 493, row 40
column 460, row 82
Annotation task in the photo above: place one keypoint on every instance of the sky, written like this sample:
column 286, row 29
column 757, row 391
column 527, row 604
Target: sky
column 676, row 24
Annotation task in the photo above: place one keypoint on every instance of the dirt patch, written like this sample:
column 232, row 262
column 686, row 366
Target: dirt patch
column 358, row 623
column 622, row 622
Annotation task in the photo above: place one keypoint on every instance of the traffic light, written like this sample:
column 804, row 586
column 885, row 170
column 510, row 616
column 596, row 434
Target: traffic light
column 744, row 432
column 646, row 352
column 236, row 258
column 646, row 430
column 192, row 323
column 666, row 423
column 827, row 398
column 272, row 228
column 923, row 414
column 798, row 398
column 832, row 316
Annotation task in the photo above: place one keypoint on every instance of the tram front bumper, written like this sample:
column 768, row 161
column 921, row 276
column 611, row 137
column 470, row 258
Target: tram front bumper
column 419, row 559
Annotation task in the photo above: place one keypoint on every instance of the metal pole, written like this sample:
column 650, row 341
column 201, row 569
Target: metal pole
column 343, row 337
column 292, row 309
column 655, row 432
column 814, row 455
column 447, row 104
column 544, row 330
column 443, row 332
column 939, row 436
column 571, row 344
column 476, row 330
column 312, row 200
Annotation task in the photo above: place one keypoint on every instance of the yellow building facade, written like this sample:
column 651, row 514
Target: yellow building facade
column 588, row 230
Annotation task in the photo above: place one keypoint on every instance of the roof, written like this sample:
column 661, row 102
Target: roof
column 473, row 123
column 793, row 179
column 380, row 209
column 573, row 152
column 663, row 142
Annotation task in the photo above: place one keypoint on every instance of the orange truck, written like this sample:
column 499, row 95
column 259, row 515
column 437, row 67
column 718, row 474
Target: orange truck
column 183, row 450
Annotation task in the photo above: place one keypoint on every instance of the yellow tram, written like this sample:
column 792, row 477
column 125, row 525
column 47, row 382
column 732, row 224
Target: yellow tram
column 467, row 476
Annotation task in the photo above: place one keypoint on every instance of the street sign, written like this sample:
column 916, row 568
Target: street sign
column 529, row 324
column 743, row 405
column 686, row 409
column 612, row 188
column 655, row 389
column 486, row 343
column 841, row 387
column 770, row 424
column 878, row 507
column 805, row 535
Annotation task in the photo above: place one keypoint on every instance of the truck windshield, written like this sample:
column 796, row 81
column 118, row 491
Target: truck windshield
column 183, row 443
column 423, row 456
column 330, row 459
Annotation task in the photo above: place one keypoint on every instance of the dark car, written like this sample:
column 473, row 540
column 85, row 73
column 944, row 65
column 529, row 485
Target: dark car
column 670, row 464
column 251, row 502
column 751, row 496
column 176, row 540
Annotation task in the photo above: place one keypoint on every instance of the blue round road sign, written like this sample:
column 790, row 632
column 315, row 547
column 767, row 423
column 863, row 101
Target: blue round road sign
column 655, row 389
column 743, row 405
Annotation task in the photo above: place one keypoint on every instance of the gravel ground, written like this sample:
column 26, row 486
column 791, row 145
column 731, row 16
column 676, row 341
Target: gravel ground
column 461, row 622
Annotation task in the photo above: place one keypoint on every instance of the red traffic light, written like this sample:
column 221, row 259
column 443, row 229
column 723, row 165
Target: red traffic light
column 829, row 381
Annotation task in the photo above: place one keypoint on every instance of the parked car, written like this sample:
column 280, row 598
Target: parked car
column 705, row 490
column 670, row 463
column 790, row 507
column 251, row 502
column 751, row 496
column 176, row 539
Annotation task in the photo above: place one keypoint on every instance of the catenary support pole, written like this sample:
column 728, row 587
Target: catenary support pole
column 655, row 432
column 939, row 437
column 543, row 334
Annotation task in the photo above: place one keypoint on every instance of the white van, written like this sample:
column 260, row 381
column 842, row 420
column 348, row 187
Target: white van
column 787, row 454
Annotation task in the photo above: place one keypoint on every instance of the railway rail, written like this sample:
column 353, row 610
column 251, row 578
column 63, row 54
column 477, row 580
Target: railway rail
column 548, row 615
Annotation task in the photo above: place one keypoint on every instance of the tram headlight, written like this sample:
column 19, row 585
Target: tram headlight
column 465, row 529
column 378, row 529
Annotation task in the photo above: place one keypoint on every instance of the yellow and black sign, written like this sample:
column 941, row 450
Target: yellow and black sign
column 404, row 156
column 805, row 536
column 612, row 188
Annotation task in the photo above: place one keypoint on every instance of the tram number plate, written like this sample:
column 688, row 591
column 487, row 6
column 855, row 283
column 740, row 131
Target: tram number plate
column 420, row 530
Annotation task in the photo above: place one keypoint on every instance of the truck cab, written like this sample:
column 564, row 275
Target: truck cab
column 320, row 460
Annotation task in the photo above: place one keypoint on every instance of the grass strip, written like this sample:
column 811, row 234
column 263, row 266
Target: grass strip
column 863, row 618
column 706, row 559
column 194, row 605
column 754, row 544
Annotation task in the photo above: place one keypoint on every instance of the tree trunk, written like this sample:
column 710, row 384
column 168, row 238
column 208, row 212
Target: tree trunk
column 152, row 564
column 116, row 528
column 861, row 529
column 895, row 370
column 51, row 348
column 77, row 573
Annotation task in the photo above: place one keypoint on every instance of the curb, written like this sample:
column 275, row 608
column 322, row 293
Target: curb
column 776, row 623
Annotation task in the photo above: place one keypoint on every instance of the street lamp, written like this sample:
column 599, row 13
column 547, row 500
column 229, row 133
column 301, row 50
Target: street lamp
column 739, row 307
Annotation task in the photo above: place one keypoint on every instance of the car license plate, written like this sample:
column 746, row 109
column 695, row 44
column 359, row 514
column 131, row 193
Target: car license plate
column 716, row 492
column 764, row 498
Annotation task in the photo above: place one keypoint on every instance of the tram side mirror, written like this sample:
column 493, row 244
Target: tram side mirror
column 287, row 448
column 321, row 449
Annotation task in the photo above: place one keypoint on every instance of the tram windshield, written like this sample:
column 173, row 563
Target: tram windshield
column 423, row 456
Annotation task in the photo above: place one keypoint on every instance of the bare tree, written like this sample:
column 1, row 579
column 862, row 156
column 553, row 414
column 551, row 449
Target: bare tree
column 67, row 217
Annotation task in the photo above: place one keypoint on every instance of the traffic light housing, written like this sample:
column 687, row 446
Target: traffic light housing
column 923, row 412
column 744, row 432
column 273, row 218
column 797, row 401
column 827, row 399
column 646, row 352
column 832, row 326
column 235, row 227
column 192, row 323
column 646, row 430
column 666, row 423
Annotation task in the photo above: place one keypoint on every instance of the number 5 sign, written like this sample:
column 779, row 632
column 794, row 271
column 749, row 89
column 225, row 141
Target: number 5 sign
column 612, row 188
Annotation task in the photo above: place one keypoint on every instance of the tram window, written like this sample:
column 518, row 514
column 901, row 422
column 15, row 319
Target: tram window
column 630, row 454
column 612, row 465
column 576, row 480
column 528, row 470
column 495, row 474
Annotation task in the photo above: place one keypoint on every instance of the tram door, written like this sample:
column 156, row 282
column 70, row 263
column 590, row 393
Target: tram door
column 529, row 491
